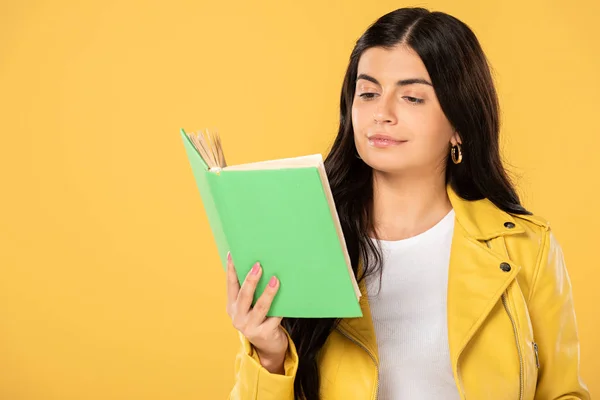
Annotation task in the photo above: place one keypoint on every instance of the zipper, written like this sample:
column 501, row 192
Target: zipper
column 362, row 346
column 516, row 333
column 537, row 355
column 462, row 390
column 504, row 302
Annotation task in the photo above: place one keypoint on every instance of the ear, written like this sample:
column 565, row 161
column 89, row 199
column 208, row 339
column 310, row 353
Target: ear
column 455, row 139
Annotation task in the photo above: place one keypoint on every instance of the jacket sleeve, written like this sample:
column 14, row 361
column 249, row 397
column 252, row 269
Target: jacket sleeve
column 555, row 326
column 254, row 382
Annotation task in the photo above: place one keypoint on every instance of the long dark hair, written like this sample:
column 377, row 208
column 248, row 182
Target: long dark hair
column 463, row 84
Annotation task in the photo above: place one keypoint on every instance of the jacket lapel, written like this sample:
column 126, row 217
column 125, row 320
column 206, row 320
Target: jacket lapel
column 475, row 284
column 476, row 281
column 362, row 329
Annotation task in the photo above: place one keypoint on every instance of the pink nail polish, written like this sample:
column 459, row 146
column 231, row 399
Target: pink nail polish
column 255, row 269
column 273, row 282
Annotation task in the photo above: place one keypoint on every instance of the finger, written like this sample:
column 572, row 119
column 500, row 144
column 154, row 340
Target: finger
column 233, row 284
column 263, row 304
column 272, row 323
column 246, row 294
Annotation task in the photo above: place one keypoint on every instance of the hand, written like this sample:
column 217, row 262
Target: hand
column 265, row 334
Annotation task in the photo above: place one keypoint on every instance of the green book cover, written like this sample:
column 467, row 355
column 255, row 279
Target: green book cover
column 282, row 215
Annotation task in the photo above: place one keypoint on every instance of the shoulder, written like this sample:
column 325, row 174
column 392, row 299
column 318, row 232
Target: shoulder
column 533, row 221
column 535, row 232
column 531, row 248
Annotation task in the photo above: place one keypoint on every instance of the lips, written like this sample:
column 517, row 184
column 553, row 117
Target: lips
column 380, row 136
column 381, row 140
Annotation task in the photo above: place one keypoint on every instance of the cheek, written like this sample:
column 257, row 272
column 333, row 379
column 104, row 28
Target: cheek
column 432, row 133
column 357, row 117
column 357, row 125
column 360, row 123
column 434, row 129
column 363, row 112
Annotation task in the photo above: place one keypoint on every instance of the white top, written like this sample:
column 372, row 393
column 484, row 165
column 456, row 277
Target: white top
column 410, row 317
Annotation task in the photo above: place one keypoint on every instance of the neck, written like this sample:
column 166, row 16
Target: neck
column 405, row 206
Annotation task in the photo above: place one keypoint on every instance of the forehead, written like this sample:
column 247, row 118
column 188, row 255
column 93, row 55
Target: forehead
column 390, row 65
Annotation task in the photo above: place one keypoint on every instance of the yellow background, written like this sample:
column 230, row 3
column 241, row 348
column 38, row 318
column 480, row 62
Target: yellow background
column 110, row 287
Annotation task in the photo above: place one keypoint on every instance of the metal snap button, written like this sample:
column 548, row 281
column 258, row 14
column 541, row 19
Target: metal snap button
column 505, row 267
column 509, row 225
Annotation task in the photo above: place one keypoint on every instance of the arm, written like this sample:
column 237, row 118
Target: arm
column 555, row 326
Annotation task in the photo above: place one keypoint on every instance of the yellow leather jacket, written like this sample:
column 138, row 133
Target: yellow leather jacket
column 511, row 324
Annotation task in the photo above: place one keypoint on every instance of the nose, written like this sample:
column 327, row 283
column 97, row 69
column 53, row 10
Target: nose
column 384, row 111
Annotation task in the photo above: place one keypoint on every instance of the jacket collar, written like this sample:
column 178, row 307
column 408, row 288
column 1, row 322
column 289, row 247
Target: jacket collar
column 481, row 219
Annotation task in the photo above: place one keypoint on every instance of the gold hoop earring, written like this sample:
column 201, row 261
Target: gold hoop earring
column 456, row 153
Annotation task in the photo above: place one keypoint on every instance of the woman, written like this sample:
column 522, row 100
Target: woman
column 466, row 295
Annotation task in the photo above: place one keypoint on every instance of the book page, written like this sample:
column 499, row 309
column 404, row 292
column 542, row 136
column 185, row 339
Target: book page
column 338, row 226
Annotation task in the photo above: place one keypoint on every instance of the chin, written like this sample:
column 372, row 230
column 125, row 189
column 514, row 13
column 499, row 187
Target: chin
column 386, row 165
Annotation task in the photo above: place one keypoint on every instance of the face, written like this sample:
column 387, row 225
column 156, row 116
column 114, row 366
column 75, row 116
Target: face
column 398, row 123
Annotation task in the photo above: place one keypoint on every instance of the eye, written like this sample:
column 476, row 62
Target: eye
column 367, row 96
column 413, row 100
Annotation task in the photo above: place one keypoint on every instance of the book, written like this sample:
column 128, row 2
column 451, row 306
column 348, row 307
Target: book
column 280, row 213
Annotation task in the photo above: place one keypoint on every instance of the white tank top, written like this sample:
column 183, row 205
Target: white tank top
column 410, row 316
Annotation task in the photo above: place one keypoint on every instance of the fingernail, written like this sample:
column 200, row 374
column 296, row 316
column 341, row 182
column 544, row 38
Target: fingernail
column 228, row 256
column 273, row 282
column 255, row 269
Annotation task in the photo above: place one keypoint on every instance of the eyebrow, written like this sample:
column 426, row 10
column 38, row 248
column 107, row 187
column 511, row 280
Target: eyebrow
column 402, row 82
